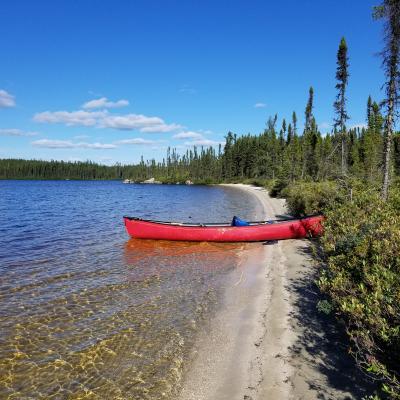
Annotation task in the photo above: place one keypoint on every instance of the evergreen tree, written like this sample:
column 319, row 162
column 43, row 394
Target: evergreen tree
column 284, row 126
column 309, row 110
column 342, row 76
column 389, row 10
column 289, row 134
column 294, row 123
column 307, row 139
column 369, row 106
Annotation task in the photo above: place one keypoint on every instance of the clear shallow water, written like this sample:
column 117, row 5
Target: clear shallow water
column 85, row 312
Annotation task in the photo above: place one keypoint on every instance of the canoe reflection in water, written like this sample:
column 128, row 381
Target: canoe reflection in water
column 174, row 288
column 146, row 258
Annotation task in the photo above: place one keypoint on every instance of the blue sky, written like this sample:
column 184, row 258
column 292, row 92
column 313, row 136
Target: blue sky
column 112, row 80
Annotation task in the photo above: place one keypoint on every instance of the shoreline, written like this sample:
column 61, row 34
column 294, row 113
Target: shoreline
column 267, row 340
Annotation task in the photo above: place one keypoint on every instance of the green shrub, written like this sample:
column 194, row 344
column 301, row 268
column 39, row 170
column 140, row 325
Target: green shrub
column 277, row 187
column 305, row 198
column 261, row 182
column 362, row 278
column 205, row 181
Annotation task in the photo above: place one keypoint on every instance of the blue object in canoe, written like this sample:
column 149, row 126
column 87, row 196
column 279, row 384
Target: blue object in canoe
column 236, row 221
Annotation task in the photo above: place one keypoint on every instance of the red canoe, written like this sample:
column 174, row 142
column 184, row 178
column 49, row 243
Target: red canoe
column 256, row 231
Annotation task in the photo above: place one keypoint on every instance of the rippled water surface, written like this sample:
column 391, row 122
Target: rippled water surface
column 85, row 312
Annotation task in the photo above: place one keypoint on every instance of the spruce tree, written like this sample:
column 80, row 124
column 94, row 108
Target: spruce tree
column 284, row 126
column 339, row 105
column 294, row 123
column 289, row 134
column 369, row 106
column 309, row 109
column 389, row 10
column 306, row 139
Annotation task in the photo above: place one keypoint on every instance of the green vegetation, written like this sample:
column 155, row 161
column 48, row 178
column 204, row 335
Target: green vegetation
column 361, row 267
column 305, row 198
column 202, row 166
column 35, row 169
column 362, row 278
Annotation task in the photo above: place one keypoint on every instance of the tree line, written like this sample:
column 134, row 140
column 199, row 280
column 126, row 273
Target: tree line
column 277, row 153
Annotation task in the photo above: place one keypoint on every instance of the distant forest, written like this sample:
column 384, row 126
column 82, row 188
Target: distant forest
column 277, row 153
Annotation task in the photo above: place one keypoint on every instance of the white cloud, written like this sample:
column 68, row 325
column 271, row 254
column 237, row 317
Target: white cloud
column 67, row 144
column 197, row 139
column 260, row 105
column 103, row 102
column 53, row 144
column 103, row 119
column 188, row 135
column 138, row 121
column 203, row 142
column 96, row 145
column 6, row 99
column 16, row 132
column 162, row 128
column 85, row 118
column 139, row 141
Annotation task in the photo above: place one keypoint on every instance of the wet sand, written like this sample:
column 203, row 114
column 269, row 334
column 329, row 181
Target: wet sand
column 268, row 341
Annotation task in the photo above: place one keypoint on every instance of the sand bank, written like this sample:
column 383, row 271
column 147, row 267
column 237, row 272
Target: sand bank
column 268, row 341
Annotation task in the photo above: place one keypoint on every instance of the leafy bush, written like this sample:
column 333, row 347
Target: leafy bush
column 277, row 187
column 261, row 182
column 304, row 198
column 362, row 278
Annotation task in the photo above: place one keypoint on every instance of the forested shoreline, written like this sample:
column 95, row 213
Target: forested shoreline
column 277, row 153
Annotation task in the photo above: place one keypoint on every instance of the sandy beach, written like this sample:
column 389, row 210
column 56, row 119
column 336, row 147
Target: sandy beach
column 268, row 341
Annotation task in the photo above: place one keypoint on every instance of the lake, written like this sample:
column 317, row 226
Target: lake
column 86, row 312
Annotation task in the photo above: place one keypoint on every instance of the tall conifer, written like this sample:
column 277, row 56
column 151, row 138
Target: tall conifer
column 342, row 76
column 294, row 123
column 369, row 106
column 307, row 151
column 309, row 109
column 389, row 10
column 289, row 134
